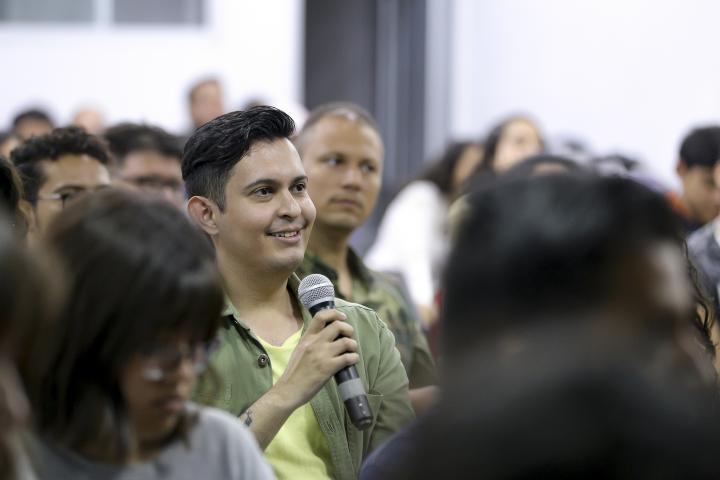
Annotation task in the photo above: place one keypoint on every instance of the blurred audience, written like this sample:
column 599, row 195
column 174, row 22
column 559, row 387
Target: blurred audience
column 32, row 123
column 58, row 167
column 559, row 286
column 146, row 158
column 576, row 327
column 343, row 155
column 111, row 392
column 412, row 238
column 699, row 202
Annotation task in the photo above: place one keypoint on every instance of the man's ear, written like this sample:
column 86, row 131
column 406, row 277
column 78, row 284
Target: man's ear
column 681, row 168
column 28, row 212
column 205, row 213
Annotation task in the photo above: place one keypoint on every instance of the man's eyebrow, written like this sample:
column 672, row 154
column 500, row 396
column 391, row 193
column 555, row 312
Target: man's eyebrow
column 70, row 186
column 261, row 181
column 271, row 182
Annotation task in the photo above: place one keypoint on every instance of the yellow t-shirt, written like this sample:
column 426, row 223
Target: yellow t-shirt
column 299, row 450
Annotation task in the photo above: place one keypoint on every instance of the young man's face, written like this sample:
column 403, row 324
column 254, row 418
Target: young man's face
column 268, row 213
column 343, row 159
column 155, row 173
column 700, row 192
column 66, row 178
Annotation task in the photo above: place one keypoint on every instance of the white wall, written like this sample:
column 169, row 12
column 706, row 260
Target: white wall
column 143, row 73
column 626, row 75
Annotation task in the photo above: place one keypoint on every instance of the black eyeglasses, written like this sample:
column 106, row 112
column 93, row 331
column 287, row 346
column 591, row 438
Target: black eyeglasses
column 160, row 360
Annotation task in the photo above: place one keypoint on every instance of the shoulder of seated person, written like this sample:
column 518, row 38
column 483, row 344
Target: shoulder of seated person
column 214, row 420
column 358, row 313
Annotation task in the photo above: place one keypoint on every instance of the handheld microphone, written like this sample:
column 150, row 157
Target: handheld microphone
column 317, row 293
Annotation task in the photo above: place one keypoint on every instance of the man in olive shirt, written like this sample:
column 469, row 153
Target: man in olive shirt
column 342, row 152
column 248, row 192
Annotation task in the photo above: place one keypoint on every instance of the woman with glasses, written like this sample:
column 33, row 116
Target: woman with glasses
column 111, row 393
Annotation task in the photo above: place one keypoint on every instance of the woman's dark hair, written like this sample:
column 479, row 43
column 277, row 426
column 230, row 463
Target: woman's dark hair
column 704, row 315
column 492, row 140
column 216, row 147
column 31, row 294
column 137, row 269
column 11, row 192
column 441, row 171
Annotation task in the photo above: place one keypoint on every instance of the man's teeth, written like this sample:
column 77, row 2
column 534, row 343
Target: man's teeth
column 284, row 234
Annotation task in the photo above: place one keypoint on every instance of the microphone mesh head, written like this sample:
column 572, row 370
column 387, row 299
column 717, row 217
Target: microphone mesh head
column 313, row 288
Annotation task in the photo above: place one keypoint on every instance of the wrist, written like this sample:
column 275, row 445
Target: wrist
column 282, row 398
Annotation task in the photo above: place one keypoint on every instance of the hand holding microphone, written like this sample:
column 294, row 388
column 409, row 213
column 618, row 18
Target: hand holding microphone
column 317, row 293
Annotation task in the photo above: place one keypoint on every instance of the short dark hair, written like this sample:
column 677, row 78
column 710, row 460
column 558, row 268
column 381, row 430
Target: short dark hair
column 50, row 147
column 546, row 246
column 32, row 114
column 701, row 147
column 347, row 110
column 126, row 138
column 216, row 147
column 137, row 268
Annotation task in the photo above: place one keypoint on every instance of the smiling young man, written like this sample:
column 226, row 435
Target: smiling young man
column 342, row 153
column 56, row 168
column 248, row 192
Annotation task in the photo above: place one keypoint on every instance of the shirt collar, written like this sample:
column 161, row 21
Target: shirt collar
column 292, row 285
column 357, row 267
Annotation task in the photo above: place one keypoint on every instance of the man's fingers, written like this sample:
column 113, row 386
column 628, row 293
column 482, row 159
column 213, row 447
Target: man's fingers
column 323, row 317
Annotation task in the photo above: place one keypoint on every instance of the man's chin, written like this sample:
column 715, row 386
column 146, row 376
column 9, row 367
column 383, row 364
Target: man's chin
column 288, row 264
column 348, row 223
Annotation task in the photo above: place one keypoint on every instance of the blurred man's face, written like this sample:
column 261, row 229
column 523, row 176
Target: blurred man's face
column 207, row 103
column 32, row 127
column 66, row 178
column 343, row 159
column 155, row 173
column 700, row 192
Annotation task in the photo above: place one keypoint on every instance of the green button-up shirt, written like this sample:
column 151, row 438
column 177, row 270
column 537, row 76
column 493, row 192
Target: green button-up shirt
column 382, row 294
column 246, row 374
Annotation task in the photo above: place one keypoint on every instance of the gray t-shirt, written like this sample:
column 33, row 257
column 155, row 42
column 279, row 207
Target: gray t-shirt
column 219, row 447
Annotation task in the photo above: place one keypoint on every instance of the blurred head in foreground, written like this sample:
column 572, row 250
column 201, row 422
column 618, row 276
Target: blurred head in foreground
column 144, row 305
column 564, row 245
column 559, row 410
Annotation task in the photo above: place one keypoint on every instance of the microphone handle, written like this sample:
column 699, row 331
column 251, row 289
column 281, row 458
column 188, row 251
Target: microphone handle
column 350, row 386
